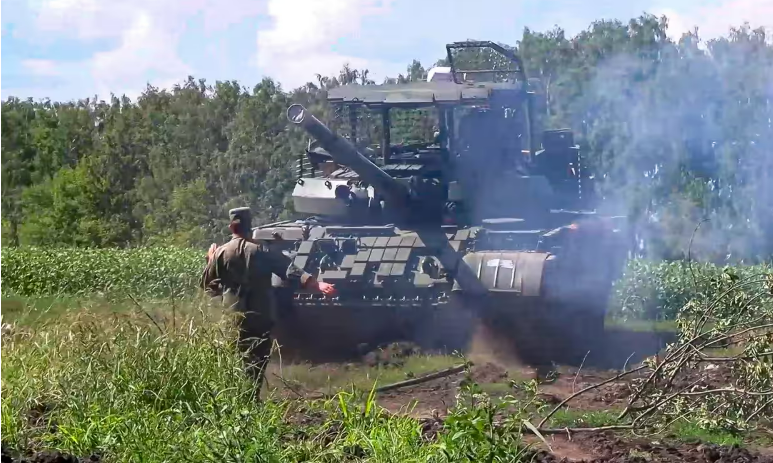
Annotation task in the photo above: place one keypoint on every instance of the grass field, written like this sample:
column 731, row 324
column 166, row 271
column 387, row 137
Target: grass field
column 158, row 378
column 88, row 377
column 88, row 382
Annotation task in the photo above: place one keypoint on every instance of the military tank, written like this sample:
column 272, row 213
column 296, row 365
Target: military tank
column 490, row 222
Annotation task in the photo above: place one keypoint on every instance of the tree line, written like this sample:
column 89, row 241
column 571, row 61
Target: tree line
column 679, row 133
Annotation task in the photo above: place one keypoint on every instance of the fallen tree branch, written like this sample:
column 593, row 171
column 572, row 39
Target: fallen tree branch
column 584, row 390
column 758, row 411
column 710, row 310
column 577, row 374
column 689, row 253
column 621, row 427
column 541, row 430
column 423, row 379
column 289, row 386
column 736, row 358
column 728, row 389
column 398, row 385
column 708, row 344
column 651, row 378
column 682, row 357
column 660, row 403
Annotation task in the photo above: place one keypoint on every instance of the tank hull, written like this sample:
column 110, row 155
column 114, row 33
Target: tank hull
column 394, row 285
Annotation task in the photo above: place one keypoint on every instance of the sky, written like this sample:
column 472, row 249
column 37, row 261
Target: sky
column 72, row 49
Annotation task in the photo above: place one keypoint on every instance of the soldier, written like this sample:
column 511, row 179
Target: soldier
column 240, row 271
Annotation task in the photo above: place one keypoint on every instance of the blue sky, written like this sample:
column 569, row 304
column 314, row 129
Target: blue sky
column 69, row 49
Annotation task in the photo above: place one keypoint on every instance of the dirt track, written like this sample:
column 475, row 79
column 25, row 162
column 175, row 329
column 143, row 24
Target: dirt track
column 505, row 348
column 495, row 366
column 434, row 398
column 429, row 403
column 499, row 355
column 606, row 447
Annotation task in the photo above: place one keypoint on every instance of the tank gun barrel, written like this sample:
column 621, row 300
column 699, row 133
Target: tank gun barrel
column 345, row 153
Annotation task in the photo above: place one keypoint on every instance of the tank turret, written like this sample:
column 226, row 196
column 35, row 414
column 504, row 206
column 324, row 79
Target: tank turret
column 344, row 153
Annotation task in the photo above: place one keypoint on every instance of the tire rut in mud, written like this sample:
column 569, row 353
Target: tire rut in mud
column 607, row 447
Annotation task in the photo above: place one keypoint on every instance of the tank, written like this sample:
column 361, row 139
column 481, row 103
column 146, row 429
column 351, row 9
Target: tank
column 487, row 224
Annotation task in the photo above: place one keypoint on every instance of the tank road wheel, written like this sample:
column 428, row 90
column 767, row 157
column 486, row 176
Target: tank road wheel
column 443, row 328
column 582, row 330
column 515, row 329
column 451, row 327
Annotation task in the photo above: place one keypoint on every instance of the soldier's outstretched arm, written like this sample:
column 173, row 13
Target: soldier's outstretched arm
column 283, row 267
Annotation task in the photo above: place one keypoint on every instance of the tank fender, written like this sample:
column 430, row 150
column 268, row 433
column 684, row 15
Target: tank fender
column 507, row 271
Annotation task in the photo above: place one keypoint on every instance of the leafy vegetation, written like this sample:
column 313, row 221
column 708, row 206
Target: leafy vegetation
column 657, row 290
column 156, row 272
column 647, row 291
column 677, row 132
column 125, row 390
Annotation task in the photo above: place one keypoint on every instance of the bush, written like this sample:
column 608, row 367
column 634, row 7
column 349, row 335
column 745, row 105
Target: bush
column 660, row 290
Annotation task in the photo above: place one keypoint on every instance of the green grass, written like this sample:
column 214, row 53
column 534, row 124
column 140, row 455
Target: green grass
column 30, row 312
column 125, row 388
column 583, row 418
column 654, row 326
column 328, row 379
column 680, row 431
column 34, row 311
column 687, row 431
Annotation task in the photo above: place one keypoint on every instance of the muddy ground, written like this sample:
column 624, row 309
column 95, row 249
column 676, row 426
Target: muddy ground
column 430, row 402
column 496, row 367
column 607, row 447
column 434, row 397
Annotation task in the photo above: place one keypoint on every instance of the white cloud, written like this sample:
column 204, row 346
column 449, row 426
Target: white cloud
column 301, row 41
column 85, row 19
column 145, row 47
column 147, row 35
column 716, row 20
column 144, row 36
column 42, row 67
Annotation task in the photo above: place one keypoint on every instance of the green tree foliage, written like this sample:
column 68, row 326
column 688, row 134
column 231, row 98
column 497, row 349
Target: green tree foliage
column 677, row 133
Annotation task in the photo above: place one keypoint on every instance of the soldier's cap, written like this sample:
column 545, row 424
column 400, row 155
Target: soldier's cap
column 241, row 215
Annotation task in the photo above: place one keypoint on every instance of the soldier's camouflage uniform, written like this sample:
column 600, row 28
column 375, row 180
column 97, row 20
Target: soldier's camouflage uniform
column 240, row 272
